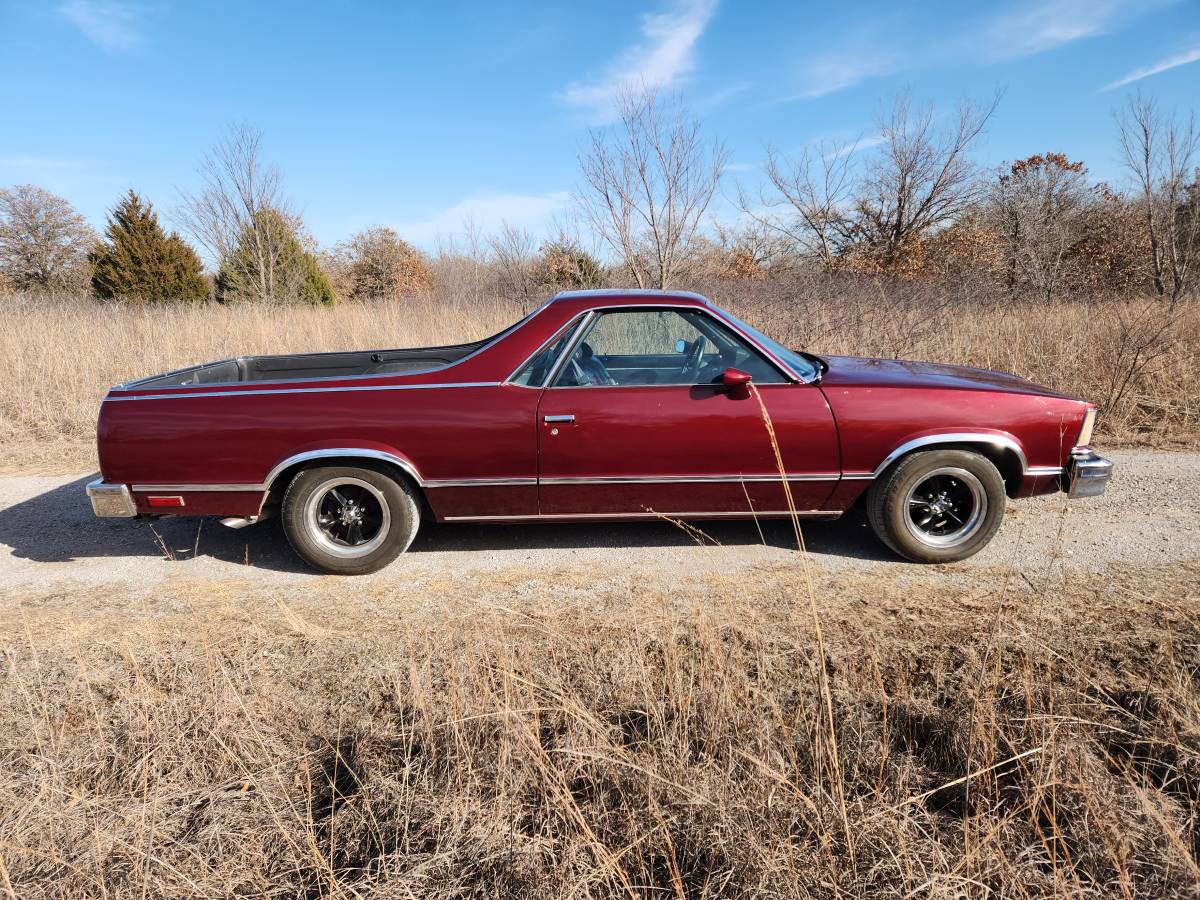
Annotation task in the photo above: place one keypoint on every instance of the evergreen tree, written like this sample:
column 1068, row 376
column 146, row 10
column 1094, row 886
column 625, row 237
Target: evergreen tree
column 270, row 264
column 139, row 261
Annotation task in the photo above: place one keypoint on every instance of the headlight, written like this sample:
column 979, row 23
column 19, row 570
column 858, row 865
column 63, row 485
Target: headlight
column 1085, row 433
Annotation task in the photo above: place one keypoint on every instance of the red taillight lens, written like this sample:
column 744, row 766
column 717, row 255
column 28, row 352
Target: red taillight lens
column 164, row 501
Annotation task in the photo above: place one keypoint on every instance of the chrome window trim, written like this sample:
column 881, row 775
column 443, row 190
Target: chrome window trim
column 576, row 339
column 307, row 390
column 707, row 310
column 730, row 514
column 571, row 323
column 968, row 437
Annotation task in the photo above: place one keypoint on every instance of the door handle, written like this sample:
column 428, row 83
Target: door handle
column 552, row 419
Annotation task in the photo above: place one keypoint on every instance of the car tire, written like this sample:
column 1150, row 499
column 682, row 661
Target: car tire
column 937, row 506
column 348, row 520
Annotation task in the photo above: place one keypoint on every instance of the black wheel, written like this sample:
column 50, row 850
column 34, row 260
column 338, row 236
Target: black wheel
column 348, row 520
column 938, row 506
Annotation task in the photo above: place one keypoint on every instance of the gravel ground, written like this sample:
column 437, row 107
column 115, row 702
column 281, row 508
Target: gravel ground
column 50, row 542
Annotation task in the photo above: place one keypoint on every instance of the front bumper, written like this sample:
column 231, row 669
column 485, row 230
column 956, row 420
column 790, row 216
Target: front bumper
column 1087, row 474
column 111, row 500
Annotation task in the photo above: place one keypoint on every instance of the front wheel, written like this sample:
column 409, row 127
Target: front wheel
column 347, row 520
column 938, row 506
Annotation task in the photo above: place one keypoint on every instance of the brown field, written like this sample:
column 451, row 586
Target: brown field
column 794, row 730
column 529, row 735
column 1140, row 362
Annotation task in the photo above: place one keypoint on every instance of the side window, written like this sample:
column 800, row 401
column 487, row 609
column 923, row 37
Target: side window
column 537, row 369
column 640, row 347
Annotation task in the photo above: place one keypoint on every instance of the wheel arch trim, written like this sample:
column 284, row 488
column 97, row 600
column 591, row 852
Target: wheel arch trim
column 295, row 459
column 999, row 441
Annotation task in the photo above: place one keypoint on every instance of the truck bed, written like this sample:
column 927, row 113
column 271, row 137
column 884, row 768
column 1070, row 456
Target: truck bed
column 298, row 366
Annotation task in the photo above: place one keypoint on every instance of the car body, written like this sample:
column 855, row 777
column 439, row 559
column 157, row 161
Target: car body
column 535, row 424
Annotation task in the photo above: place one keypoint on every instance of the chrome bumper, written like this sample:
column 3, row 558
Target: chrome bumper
column 111, row 500
column 1087, row 474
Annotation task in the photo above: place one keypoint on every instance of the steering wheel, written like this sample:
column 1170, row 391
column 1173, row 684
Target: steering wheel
column 695, row 358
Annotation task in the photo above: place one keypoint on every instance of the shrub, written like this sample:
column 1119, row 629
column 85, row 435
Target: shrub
column 140, row 261
column 563, row 264
column 377, row 263
column 270, row 264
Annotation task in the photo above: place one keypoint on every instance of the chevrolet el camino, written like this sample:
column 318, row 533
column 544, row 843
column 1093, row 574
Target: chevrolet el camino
column 600, row 405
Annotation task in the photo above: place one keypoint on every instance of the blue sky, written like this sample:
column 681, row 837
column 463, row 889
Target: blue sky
column 417, row 115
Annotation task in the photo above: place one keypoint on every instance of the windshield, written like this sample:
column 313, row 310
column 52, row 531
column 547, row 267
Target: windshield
column 805, row 368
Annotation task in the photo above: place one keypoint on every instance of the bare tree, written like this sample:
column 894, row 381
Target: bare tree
column 241, row 216
column 43, row 241
column 807, row 199
column 1039, row 205
column 647, row 183
column 512, row 250
column 922, row 177
column 1161, row 154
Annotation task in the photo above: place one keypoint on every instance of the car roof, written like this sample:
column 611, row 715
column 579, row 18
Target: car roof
column 631, row 297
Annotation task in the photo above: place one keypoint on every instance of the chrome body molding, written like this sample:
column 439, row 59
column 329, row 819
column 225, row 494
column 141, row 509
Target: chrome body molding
column 302, row 390
column 968, row 437
column 690, row 479
column 558, row 517
column 1037, row 471
column 478, row 482
column 487, row 482
column 189, row 488
column 111, row 500
column 1088, row 474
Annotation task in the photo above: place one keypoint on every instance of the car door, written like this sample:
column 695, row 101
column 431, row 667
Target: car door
column 638, row 423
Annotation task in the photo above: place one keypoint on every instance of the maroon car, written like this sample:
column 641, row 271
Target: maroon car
column 601, row 405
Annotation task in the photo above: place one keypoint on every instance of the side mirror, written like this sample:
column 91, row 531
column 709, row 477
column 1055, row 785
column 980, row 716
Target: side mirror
column 735, row 378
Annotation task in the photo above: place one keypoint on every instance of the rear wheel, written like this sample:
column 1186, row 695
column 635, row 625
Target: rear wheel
column 348, row 520
column 938, row 506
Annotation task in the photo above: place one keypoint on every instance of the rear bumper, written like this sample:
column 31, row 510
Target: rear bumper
column 111, row 500
column 1087, row 474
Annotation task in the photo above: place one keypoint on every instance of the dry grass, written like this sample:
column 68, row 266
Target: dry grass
column 1017, row 738
column 57, row 357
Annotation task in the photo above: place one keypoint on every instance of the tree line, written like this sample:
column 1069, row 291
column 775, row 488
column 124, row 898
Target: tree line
column 908, row 202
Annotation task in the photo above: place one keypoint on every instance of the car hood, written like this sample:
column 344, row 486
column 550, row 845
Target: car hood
column 856, row 371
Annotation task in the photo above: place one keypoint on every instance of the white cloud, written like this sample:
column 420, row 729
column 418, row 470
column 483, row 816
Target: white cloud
column 1022, row 30
column 1171, row 62
column 112, row 25
column 1045, row 26
column 665, row 55
column 487, row 211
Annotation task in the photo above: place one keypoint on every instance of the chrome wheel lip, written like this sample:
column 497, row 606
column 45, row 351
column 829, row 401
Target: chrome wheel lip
column 971, row 525
column 318, row 535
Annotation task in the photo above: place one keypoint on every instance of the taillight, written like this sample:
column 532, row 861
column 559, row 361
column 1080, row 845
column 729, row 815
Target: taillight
column 164, row 501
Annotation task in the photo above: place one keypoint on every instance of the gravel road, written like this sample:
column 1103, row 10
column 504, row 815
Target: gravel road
column 50, row 542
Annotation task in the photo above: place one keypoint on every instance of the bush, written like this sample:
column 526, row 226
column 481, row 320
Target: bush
column 270, row 264
column 376, row 264
column 139, row 261
column 565, row 265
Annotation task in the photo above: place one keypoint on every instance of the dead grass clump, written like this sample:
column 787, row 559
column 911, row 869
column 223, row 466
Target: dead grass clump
column 1020, row 744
